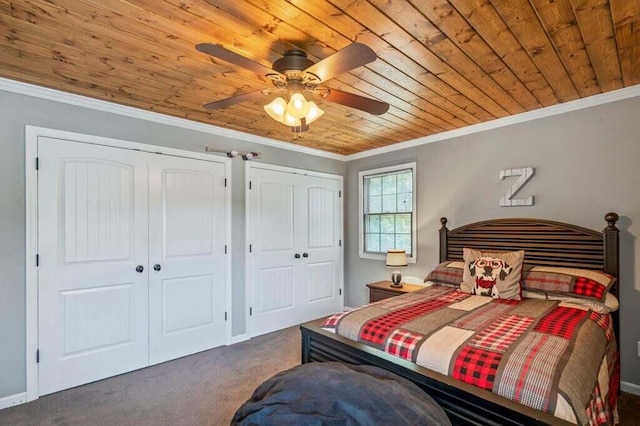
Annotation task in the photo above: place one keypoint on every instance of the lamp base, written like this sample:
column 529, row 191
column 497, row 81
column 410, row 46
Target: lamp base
column 396, row 279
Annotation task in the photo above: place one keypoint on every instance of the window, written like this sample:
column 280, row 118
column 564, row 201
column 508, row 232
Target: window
column 387, row 211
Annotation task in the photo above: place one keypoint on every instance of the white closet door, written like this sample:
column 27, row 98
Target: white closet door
column 321, row 209
column 92, row 230
column 275, row 270
column 294, row 224
column 187, row 278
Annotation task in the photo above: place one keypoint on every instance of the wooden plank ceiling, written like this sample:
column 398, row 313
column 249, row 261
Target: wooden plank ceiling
column 442, row 64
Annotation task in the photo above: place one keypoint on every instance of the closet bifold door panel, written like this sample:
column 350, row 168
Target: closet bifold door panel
column 93, row 283
column 320, row 240
column 294, row 228
column 187, row 274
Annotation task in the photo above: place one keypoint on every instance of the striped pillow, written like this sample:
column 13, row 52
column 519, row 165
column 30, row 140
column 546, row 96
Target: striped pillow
column 575, row 282
column 447, row 273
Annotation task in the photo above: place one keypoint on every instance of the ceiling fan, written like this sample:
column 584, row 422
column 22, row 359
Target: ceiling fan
column 293, row 75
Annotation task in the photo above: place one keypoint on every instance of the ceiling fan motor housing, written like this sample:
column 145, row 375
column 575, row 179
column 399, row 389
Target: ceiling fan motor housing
column 292, row 60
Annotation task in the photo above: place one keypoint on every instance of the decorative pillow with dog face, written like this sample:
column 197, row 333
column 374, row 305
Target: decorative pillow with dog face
column 494, row 275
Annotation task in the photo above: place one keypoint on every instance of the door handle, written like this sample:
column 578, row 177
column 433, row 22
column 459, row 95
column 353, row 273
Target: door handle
column 297, row 255
column 139, row 269
column 157, row 267
column 305, row 254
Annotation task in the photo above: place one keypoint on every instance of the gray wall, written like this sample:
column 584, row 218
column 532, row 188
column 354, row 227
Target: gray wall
column 587, row 164
column 16, row 111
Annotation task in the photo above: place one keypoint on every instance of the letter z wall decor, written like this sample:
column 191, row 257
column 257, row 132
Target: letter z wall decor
column 525, row 174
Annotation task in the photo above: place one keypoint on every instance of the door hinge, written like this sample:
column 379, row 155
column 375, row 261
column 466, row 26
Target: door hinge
column 339, row 194
column 249, row 185
column 37, row 356
column 339, row 243
column 340, row 292
column 225, row 249
column 225, row 316
column 37, row 260
column 250, row 248
column 37, row 163
column 250, row 311
column 225, row 182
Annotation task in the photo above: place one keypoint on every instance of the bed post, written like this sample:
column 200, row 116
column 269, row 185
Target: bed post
column 611, row 249
column 611, row 243
column 443, row 239
column 306, row 346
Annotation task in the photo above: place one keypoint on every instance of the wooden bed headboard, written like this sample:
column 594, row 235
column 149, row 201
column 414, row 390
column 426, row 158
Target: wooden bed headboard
column 545, row 242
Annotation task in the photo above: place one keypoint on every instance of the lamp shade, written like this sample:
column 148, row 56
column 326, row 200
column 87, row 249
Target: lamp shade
column 298, row 106
column 276, row 109
column 314, row 112
column 290, row 120
column 396, row 258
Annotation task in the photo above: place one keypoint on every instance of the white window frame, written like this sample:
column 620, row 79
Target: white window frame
column 367, row 173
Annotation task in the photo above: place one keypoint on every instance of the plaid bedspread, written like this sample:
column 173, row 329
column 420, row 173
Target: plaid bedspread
column 553, row 356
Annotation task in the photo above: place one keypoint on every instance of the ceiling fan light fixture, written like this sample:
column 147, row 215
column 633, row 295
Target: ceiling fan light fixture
column 276, row 109
column 314, row 113
column 298, row 105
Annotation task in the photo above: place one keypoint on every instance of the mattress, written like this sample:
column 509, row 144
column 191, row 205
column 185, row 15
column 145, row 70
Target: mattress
column 553, row 356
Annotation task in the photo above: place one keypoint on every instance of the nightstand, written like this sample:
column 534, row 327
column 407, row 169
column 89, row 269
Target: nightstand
column 383, row 290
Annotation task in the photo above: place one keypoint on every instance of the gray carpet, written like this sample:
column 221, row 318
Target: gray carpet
column 201, row 389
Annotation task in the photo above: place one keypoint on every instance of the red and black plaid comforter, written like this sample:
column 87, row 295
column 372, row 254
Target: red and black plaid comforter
column 553, row 356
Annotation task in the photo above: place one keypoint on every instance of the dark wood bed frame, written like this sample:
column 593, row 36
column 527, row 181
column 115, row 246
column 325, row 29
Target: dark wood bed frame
column 546, row 243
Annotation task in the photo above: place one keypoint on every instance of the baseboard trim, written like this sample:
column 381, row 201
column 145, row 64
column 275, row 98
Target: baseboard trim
column 11, row 400
column 239, row 338
column 630, row 388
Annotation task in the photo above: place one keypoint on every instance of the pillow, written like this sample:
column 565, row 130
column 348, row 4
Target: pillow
column 495, row 275
column 610, row 304
column 447, row 273
column 574, row 282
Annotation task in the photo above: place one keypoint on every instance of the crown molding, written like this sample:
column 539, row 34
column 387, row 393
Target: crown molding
column 127, row 111
column 105, row 106
column 591, row 101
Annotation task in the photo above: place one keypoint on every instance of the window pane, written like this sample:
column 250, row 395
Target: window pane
column 389, row 203
column 375, row 204
column 387, row 242
column 387, row 223
column 405, row 182
column 372, row 242
column 375, row 185
column 403, row 242
column 405, row 202
column 388, row 210
column 373, row 223
column 389, row 184
column 403, row 223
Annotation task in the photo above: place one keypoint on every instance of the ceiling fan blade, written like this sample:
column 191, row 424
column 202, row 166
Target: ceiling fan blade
column 353, row 56
column 356, row 101
column 217, row 51
column 223, row 103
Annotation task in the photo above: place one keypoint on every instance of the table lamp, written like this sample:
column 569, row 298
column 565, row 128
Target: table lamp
column 396, row 259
